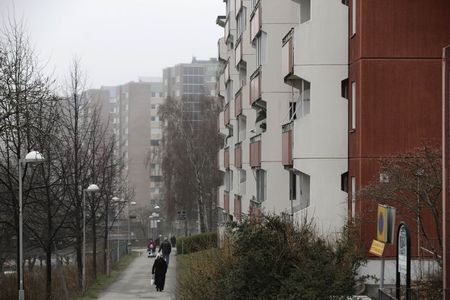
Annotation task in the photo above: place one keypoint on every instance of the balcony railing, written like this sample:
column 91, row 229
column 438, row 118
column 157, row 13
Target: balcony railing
column 255, row 152
column 288, row 54
column 255, row 87
column 237, row 207
column 238, row 155
column 255, row 23
column 226, row 201
column 238, row 104
column 226, row 115
column 287, row 144
column 238, row 51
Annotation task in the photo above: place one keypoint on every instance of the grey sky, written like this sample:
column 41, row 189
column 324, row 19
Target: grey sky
column 119, row 40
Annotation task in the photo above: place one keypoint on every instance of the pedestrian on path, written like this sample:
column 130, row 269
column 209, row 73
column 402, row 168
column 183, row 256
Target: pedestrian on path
column 159, row 270
column 165, row 248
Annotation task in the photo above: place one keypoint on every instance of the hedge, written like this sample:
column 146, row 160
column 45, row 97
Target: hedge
column 198, row 242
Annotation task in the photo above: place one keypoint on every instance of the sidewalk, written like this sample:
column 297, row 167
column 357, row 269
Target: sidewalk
column 134, row 282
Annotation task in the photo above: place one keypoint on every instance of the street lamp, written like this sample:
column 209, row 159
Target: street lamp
column 128, row 237
column 108, row 262
column 90, row 189
column 31, row 157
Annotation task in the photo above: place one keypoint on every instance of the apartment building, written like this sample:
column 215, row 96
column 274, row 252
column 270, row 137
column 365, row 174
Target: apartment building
column 314, row 138
column 395, row 92
column 130, row 110
column 191, row 81
column 256, row 104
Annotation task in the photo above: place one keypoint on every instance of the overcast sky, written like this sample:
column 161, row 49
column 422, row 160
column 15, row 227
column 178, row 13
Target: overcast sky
column 119, row 40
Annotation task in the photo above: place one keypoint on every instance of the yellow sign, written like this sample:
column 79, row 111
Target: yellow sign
column 377, row 248
column 382, row 223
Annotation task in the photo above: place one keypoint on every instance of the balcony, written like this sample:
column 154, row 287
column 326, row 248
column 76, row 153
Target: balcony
column 287, row 54
column 222, row 50
column 287, row 144
column 226, row 115
column 238, row 7
column 255, row 23
column 238, row 155
column 255, row 151
column 238, row 104
column 226, row 201
column 255, row 87
column 238, row 52
column 226, row 158
column 237, row 207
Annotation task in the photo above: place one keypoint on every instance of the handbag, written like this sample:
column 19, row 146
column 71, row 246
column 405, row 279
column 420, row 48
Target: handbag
column 152, row 280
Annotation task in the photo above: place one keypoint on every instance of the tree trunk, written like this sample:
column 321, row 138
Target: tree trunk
column 105, row 241
column 48, row 267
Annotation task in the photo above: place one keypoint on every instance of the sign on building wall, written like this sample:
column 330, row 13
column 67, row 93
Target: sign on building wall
column 385, row 224
column 402, row 250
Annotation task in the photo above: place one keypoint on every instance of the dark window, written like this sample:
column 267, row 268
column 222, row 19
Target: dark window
column 345, row 2
column 292, row 110
column 154, row 142
column 344, row 182
column 292, row 186
column 344, row 88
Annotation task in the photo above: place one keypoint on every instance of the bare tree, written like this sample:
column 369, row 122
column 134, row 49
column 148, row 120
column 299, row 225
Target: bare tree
column 411, row 182
column 191, row 154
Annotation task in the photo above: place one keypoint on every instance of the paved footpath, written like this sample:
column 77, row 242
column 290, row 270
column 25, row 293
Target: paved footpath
column 134, row 282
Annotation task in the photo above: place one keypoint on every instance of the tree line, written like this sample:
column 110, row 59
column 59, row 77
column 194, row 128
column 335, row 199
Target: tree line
column 62, row 124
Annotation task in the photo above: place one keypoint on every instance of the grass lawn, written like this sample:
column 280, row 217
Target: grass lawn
column 103, row 281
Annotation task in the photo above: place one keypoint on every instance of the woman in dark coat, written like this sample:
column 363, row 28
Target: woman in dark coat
column 159, row 269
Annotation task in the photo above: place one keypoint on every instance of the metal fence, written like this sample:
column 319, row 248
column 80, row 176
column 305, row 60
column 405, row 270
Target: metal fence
column 118, row 249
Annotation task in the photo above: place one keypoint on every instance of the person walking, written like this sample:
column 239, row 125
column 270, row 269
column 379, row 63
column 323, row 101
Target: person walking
column 165, row 249
column 159, row 270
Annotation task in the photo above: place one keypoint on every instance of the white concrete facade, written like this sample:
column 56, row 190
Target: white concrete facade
column 320, row 130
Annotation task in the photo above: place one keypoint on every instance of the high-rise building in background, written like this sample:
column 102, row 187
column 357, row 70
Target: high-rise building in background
column 191, row 82
column 131, row 112
column 315, row 93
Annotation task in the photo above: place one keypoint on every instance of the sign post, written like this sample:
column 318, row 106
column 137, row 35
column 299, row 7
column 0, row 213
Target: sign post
column 403, row 265
column 385, row 234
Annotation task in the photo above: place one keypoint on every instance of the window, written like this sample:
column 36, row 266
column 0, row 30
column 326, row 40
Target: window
column 153, row 94
column 261, row 49
column 292, row 111
column 228, row 180
column 305, row 10
column 353, row 17
column 153, row 118
column 344, row 182
column 302, row 93
column 353, row 196
column 304, row 184
column 241, row 128
column 154, row 142
column 153, row 106
column 242, row 76
column 242, row 181
column 229, row 91
column 354, row 105
column 344, row 88
column 241, row 22
column 261, row 185
column 292, row 186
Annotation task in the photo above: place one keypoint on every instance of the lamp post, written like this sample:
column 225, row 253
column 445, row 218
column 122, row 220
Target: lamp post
column 31, row 157
column 130, row 203
column 90, row 189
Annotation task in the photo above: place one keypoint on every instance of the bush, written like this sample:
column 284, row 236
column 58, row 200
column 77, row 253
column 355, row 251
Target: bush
column 274, row 259
column 198, row 242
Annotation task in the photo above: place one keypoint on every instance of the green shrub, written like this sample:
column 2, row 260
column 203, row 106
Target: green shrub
column 273, row 259
column 198, row 242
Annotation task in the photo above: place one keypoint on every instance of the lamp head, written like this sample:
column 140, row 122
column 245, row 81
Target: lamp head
column 34, row 157
column 92, row 188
